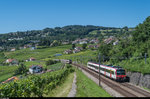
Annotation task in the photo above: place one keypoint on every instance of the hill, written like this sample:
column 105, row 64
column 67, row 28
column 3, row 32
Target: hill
column 47, row 36
column 133, row 49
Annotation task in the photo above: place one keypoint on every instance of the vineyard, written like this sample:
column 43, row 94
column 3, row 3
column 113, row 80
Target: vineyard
column 6, row 72
column 35, row 85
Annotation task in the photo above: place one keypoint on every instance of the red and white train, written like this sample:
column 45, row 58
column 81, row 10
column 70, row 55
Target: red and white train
column 114, row 72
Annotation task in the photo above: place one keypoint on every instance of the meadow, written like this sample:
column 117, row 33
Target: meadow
column 87, row 88
column 37, row 53
column 6, row 72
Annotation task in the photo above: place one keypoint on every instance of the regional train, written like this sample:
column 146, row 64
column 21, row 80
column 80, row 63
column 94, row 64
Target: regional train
column 113, row 72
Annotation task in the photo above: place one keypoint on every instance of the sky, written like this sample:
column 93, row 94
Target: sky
column 23, row 15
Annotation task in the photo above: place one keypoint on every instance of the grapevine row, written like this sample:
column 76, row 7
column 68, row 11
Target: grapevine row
column 36, row 85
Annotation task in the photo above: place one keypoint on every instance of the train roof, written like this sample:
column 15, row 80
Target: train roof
column 110, row 65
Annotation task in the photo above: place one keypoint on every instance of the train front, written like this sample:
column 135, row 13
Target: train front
column 120, row 75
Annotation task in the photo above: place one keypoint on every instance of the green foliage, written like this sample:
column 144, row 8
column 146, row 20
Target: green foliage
column 87, row 88
column 73, row 46
column 50, row 62
column 49, row 36
column 32, row 86
column 84, row 46
column 6, row 72
column 129, row 47
column 56, row 66
column 69, row 66
column 21, row 70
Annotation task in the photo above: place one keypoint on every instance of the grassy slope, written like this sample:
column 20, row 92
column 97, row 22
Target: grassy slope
column 88, row 54
column 87, row 88
column 37, row 53
column 134, row 65
column 6, row 72
column 56, row 66
column 63, row 89
column 24, row 54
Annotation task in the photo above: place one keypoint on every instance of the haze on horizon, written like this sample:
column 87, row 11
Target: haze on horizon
column 23, row 15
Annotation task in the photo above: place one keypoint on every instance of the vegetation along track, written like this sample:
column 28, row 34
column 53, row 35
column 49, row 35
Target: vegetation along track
column 125, row 89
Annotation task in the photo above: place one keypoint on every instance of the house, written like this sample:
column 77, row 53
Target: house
column 21, row 48
column 33, row 48
column 96, row 46
column 76, row 51
column 93, row 41
column 109, row 40
column 116, row 42
column 1, row 47
column 82, row 42
column 13, row 49
column 28, row 45
column 78, row 48
column 67, row 51
column 25, row 46
column 35, row 69
column 65, row 43
column 12, row 61
column 91, row 46
column 11, row 79
column 76, row 41
column 27, row 60
column 32, row 59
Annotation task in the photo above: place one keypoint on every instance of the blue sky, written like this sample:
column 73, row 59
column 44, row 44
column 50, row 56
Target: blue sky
column 22, row 15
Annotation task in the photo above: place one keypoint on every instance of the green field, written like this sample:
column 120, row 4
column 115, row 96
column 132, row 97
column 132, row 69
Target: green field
column 37, row 53
column 63, row 89
column 83, row 56
column 87, row 88
column 6, row 72
column 56, row 66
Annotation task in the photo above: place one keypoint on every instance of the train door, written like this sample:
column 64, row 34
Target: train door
column 110, row 74
column 104, row 71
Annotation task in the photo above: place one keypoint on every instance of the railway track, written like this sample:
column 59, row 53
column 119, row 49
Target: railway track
column 124, row 89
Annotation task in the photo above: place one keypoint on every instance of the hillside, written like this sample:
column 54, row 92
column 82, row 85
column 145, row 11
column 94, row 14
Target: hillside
column 47, row 36
column 133, row 51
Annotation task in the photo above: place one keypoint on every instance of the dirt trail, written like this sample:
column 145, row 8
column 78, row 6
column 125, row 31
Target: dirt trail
column 72, row 92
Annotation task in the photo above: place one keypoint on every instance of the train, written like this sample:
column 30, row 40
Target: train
column 116, row 73
column 66, row 61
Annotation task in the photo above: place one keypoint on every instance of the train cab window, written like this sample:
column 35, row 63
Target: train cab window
column 120, row 72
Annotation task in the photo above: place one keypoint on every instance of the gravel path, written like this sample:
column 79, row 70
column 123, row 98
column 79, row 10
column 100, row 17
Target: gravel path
column 72, row 93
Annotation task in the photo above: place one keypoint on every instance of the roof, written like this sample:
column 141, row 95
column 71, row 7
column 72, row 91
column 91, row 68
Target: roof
column 115, row 67
column 58, row 54
column 35, row 66
column 10, row 60
column 32, row 58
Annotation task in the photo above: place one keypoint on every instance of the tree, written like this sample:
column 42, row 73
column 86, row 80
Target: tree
column 50, row 62
column 73, row 46
column 84, row 46
column 21, row 69
column 126, row 28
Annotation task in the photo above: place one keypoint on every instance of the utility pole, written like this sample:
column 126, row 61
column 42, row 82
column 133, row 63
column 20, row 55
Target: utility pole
column 81, row 60
column 103, row 59
column 99, row 69
column 145, row 57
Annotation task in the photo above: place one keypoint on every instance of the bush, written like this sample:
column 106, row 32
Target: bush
column 50, row 62
column 69, row 66
column 36, row 85
column 21, row 70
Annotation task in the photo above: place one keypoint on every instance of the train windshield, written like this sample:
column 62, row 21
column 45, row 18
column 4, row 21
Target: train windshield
column 120, row 72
